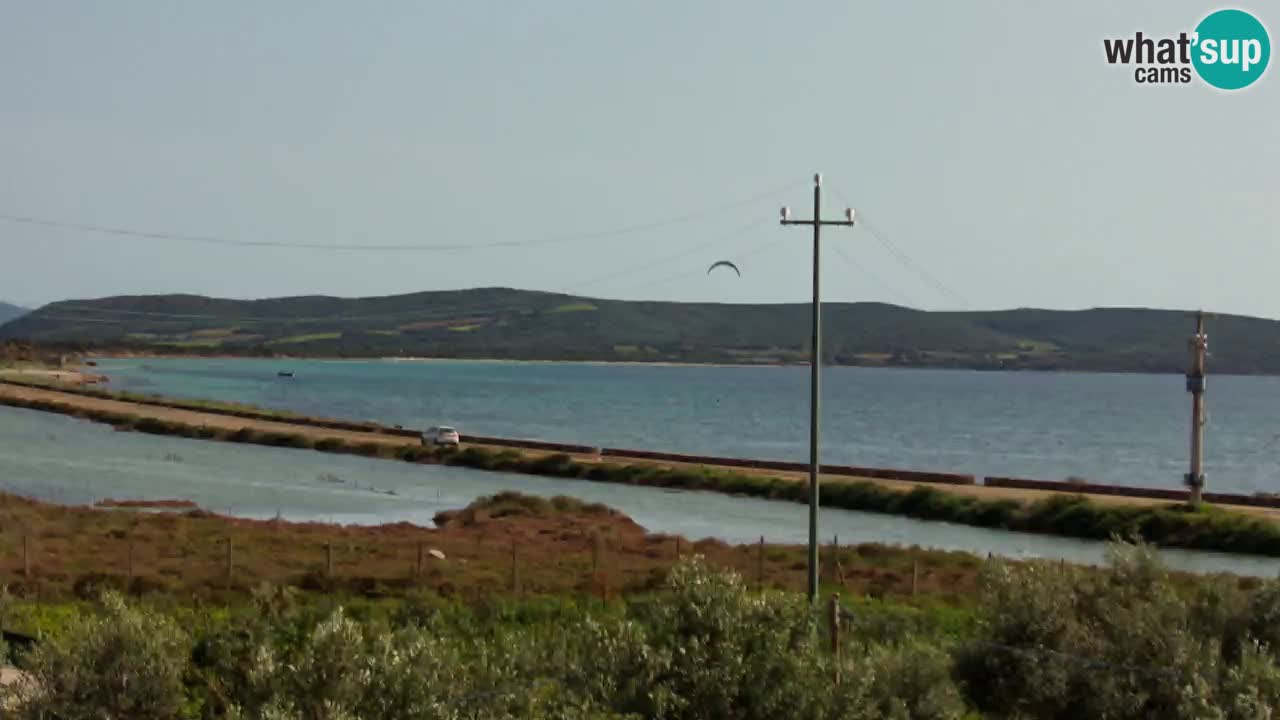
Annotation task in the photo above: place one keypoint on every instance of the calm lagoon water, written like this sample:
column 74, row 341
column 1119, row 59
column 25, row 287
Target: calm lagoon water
column 1124, row 429
column 61, row 459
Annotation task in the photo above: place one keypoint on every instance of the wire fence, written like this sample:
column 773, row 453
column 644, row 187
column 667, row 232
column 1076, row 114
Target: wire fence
column 193, row 551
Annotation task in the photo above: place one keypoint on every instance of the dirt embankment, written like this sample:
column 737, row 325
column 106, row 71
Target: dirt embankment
column 67, row 376
column 208, row 419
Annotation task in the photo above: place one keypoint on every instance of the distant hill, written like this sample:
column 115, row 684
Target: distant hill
column 517, row 324
column 9, row 312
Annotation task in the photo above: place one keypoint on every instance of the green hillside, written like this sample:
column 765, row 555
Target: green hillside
column 517, row 324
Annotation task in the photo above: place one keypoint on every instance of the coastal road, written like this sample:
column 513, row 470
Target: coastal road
column 16, row 394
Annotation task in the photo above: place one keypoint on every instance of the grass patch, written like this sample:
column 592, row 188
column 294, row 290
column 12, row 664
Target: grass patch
column 197, row 343
column 214, row 332
column 575, row 307
column 305, row 338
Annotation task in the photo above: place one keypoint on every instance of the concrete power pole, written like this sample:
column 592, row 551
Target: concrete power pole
column 1195, row 385
column 815, row 364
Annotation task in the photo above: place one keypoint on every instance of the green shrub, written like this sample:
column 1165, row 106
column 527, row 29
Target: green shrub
column 124, row 662
column 331, row 444
column 557, row 465
column 1121, row 643
column 284, row 439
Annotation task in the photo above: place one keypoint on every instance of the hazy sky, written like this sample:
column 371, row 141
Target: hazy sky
column 988, row 141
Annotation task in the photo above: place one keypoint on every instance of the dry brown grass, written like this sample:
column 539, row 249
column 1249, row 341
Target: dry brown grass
column 73, row 549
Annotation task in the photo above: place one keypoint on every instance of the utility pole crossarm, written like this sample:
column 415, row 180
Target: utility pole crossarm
column 815, row 365
column 847, row 223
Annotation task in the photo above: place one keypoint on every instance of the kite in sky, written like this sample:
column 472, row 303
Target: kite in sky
column 726, row 263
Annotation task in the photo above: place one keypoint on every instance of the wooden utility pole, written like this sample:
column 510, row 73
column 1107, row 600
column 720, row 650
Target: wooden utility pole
column 1199, row 346
column 815, row 363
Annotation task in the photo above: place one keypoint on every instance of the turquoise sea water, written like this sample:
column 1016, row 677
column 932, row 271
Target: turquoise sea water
column 61, row 459
column 1124, row 429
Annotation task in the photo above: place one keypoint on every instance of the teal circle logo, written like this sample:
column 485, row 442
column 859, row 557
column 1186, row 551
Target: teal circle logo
column 1232, row 49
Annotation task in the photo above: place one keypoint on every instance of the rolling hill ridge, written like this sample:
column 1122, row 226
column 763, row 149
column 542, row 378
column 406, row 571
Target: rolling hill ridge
column 9, row 312
column 527, row 325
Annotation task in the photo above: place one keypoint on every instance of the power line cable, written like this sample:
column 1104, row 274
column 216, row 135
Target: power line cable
column 93, row 314
column 913, row 265
column 754, row 250
column 231, row 242
column 70, row 311
column 732, row 235
column 902, row 256
column 900, row 294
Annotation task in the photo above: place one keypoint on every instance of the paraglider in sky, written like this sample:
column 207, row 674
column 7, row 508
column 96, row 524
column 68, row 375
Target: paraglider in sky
column 726, row 263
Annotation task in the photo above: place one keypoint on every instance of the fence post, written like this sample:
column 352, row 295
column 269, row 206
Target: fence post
column 833, row 619
column 595, row 566
column 230, row 561
column 515, row 570
column 915, row 575
column 760, row 565
column 130, row 559
column 837, row 573
column 328, row 559
column 677, row 548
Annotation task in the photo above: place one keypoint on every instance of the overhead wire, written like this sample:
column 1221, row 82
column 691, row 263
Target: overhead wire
column 749, row 252
column 96, row 313
column 232, row 242
column 865, row 272
column 88, row 313
column 913, row 265
column 901, row 256
column 719, row 239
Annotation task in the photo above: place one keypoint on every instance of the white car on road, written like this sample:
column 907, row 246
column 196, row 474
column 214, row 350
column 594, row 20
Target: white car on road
column 442, row 435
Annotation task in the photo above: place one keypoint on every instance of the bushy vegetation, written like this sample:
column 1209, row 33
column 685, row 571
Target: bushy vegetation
column 514, row 504
column 1127, row 643
column 1123, row 642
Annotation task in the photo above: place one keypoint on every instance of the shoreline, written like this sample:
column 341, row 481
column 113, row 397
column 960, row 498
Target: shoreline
column 961, row 483
column 429, row 359
column 76, row 376
column 654, row 363
column 1060, row 512
column 658, row 363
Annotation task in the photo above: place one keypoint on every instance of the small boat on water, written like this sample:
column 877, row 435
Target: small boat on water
column 284, row 374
